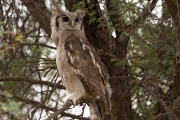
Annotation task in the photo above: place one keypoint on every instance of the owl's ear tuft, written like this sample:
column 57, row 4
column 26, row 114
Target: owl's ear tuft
column 57, row 10
column 54, row 10
column 81, row 12
column 61, row 12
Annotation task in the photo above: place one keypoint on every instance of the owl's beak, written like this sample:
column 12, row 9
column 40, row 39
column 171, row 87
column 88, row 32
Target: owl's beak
column 72, row 23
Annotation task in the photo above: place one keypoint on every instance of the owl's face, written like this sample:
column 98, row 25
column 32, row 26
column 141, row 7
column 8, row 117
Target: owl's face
column 70, row 20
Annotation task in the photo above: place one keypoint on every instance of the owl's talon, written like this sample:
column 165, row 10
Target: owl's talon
column 74, row 98
column 74, row 102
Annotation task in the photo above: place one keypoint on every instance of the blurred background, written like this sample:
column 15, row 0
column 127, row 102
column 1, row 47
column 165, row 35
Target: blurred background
column 138, row 41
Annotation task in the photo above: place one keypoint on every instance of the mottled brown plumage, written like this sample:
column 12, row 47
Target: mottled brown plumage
column 81, row 69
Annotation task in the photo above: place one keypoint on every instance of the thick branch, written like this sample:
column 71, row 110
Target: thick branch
column 39, row 11
column 173, row 9
column 113, row 8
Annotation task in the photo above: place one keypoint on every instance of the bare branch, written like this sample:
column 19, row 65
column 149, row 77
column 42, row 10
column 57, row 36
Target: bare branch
column 146, row 12
column 115, row 16
column 65, row 107
column 38, row 44
column 31, row 81
column 32, row 102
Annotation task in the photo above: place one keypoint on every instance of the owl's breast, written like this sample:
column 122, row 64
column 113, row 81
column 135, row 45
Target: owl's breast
column 70, row 79
column 61, row 60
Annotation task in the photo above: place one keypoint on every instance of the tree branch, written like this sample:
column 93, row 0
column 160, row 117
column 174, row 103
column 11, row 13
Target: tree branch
column 66, row 105
column 40, row 44
column 31, row 81
column 60, row 111
column 38, row 10
column 173, row 10
column 32, row 102
column 146, row 12
column 115, row 17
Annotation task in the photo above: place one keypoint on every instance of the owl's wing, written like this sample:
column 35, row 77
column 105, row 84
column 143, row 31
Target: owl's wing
column 85, row 62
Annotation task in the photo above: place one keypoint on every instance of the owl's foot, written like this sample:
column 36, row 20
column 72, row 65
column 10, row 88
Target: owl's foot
column 75, row 98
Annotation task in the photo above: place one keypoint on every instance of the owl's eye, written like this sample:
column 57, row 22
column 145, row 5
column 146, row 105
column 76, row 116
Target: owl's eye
column 65, row 19
column 57, row 23
column 77, row 19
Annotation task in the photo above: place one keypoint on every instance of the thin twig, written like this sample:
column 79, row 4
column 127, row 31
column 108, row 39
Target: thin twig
column 31, row 81
column 40, row 44
column 65, row 107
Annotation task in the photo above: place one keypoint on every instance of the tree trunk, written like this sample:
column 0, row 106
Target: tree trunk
column 100, row 38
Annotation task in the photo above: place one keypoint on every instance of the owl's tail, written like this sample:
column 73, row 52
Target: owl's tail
column 108, row 95
column 99, row 111
column 103, row 106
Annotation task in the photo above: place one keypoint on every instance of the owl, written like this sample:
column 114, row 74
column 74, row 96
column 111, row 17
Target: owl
column 81, row 69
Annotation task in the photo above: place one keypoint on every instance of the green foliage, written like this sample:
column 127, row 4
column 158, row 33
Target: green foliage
column 17, row 67
column 19, row 38
column 10, row 106
column 79, row 5
column 153, row 53
column 10, row 85
column 1, row 23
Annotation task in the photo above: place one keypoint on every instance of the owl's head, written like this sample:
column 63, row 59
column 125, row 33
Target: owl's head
column 69, row 20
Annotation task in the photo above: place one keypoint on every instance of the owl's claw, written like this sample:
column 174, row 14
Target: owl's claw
column 74, row 98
